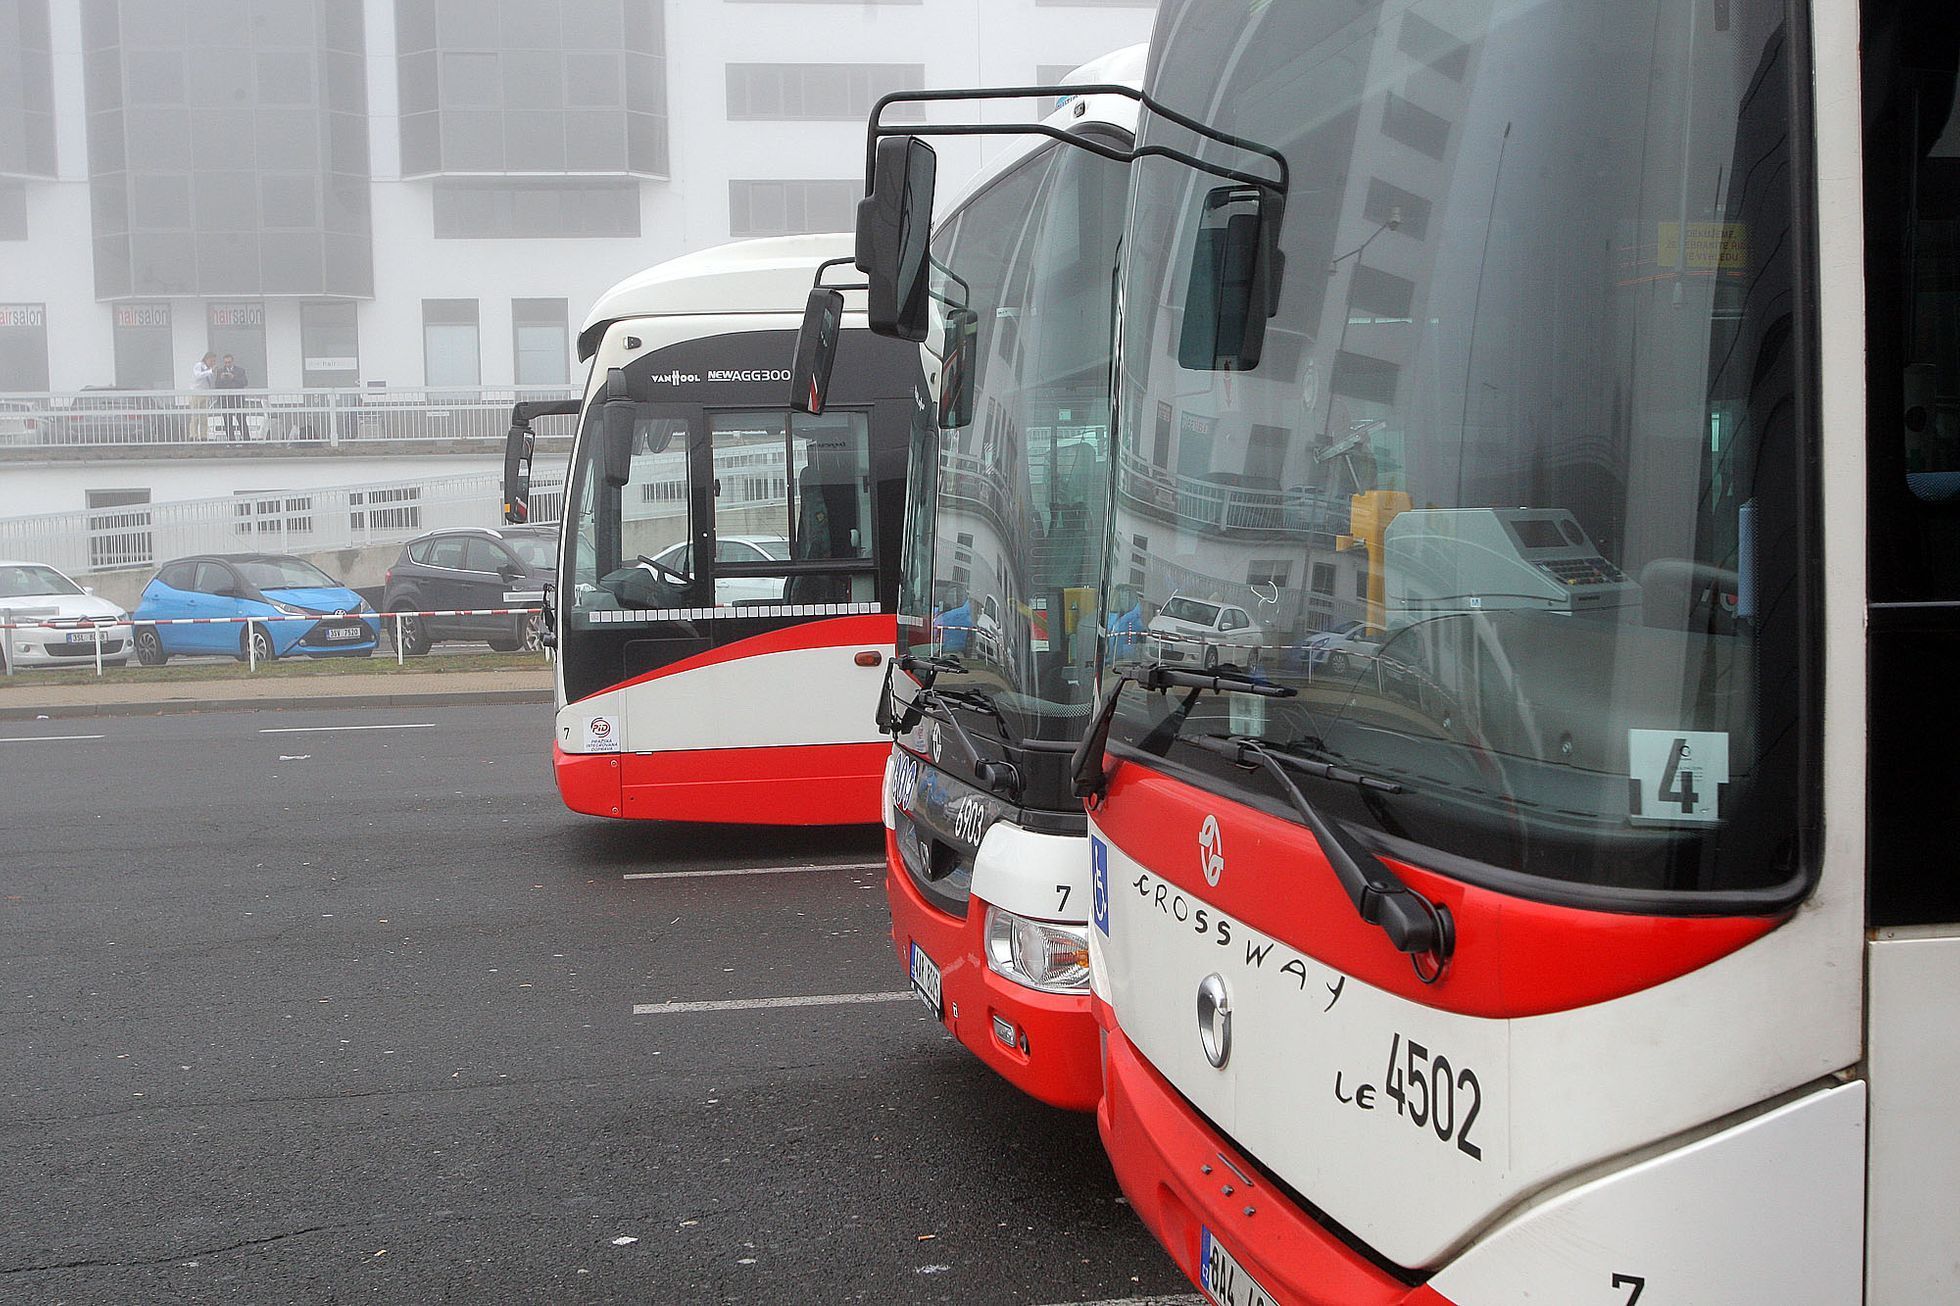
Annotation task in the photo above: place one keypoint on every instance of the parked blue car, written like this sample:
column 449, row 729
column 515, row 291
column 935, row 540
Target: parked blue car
column 296, row 607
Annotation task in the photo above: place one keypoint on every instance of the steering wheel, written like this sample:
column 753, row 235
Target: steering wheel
column 679, row 580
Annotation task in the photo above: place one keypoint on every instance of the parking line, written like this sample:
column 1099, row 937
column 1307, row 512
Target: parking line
column 758, row 1004
column 754, row 870
column 46, row 739
column 321, row 730
column 1188, row 1299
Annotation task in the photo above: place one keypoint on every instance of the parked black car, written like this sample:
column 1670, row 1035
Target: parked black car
column 470, row 567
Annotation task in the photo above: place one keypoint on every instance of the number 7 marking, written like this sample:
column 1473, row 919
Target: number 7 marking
column 1063, row 889
column 1633, row 1281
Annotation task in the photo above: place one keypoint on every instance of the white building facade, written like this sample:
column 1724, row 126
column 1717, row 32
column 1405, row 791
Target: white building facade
column 374, row 193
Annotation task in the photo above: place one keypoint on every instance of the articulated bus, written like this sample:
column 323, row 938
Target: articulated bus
column 987, row 868
column 725, row 587
column 1580, row 933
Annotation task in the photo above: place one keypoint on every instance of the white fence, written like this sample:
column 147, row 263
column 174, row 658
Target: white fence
column 291, row 521
column 148, row 418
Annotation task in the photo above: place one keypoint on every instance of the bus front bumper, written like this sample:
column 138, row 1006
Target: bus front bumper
column 1184, row 1178
column 1042, row 1043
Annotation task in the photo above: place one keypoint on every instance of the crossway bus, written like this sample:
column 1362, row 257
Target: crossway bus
column 1584, row 932
column 724, row 598
column 986, row 862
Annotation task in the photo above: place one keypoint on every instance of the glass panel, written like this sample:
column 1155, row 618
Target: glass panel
column 1527, row 413
column 629, row 541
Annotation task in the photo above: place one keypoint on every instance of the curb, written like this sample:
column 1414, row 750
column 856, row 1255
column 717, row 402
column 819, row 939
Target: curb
column 181, row 706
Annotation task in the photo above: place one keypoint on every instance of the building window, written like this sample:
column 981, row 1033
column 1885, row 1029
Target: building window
column 1423, row 40
column 23, row 347
column 227, row 152
column 27, row 107
column 495, row 210
column 532, row 86
column 1269, row 572
column 789, row 208
column 13, row 210
column 119, row 529
column 450, row 356
column 1323, row 578
column 1381, row 294
column 1414, row 126
column 1386, row 203
column 540, row 341
column 239, row 330
column 828, row 92
column 144, row 358
column 329, row 346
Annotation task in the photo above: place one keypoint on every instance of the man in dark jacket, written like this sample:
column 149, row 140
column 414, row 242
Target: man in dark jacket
column 230, row 376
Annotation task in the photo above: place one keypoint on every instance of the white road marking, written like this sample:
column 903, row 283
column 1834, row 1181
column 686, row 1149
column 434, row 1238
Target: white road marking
column 45, row 739
column 755, row 870
column 757, row 1004
column 1188, row 1299
column 317, row 730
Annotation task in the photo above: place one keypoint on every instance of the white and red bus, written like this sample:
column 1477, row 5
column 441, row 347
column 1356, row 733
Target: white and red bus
column 986, row 849
column 1545, row 898
column 723, row 610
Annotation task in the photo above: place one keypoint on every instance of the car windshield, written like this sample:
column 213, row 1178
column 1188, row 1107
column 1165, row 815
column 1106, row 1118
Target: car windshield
column 285, row 574
column 1202, row 614
column 534, row 550
column 20, row 581
column 775, row 547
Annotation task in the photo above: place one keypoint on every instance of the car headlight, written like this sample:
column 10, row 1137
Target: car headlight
column 1039, row 954
column 286, row 608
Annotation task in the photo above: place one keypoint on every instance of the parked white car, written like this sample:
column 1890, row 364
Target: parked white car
column 74, row 618
column 1205, row 633
column 731, row 590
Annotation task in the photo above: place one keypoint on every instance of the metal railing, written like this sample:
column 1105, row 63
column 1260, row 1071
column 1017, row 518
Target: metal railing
column 285, row 521
column 149, row 418
column 1216, row 506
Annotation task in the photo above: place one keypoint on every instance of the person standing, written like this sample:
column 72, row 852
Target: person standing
column 203, row 381
column 230, row 376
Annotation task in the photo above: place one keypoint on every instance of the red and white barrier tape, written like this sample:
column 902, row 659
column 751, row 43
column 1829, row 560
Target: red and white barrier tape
column 263, row 621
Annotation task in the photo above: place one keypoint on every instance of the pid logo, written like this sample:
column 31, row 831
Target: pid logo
column 1211, row 850
column 601, row 728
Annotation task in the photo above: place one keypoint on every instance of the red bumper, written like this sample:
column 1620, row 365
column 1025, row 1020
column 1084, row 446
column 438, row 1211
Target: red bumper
column 1061, row 1065
column 1168, row 1159
column 825, row 784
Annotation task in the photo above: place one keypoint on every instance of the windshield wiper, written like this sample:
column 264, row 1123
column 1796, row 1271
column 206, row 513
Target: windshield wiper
column 1412, row 923
column 1087, row 768
column 998, row 776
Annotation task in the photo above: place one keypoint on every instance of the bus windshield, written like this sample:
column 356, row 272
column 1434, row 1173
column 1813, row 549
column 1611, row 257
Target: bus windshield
column 1005, row 525
column 1511, row 498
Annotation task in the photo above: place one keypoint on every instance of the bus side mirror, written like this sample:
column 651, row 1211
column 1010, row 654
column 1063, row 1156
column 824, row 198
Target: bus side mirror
column 1236, row 269
column 956, row 369
column 518, row 448
column 816, row 350
column 893, row 224
column 618, row 419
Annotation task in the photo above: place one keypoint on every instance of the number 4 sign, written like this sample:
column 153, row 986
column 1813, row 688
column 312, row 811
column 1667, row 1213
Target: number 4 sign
column 1677, row 776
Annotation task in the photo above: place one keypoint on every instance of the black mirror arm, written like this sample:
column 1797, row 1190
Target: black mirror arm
column 999, row 777
column 876, row 128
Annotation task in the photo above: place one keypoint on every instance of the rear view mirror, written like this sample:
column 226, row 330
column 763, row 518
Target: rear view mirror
column 956, row 369
column 816, row 350
column 519, row 445
column 1236, row 269
column 893, row 224
column 618, row 420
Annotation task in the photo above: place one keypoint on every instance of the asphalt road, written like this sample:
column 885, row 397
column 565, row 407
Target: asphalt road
column 349, row 1013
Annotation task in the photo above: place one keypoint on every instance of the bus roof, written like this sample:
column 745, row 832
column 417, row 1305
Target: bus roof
column 770, row 275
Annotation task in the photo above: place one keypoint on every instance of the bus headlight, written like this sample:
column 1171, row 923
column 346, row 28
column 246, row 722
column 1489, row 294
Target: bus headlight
column 1039, row 954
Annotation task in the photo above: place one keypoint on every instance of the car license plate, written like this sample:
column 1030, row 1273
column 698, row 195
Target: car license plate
column 925, row 982
column 1224, row 1279
column 81, row 637
column 346, row 632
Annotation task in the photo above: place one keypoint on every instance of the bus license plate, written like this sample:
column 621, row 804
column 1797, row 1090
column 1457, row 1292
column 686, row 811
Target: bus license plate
column 1224, row 1279
column 925, row 982
column 346, row 632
